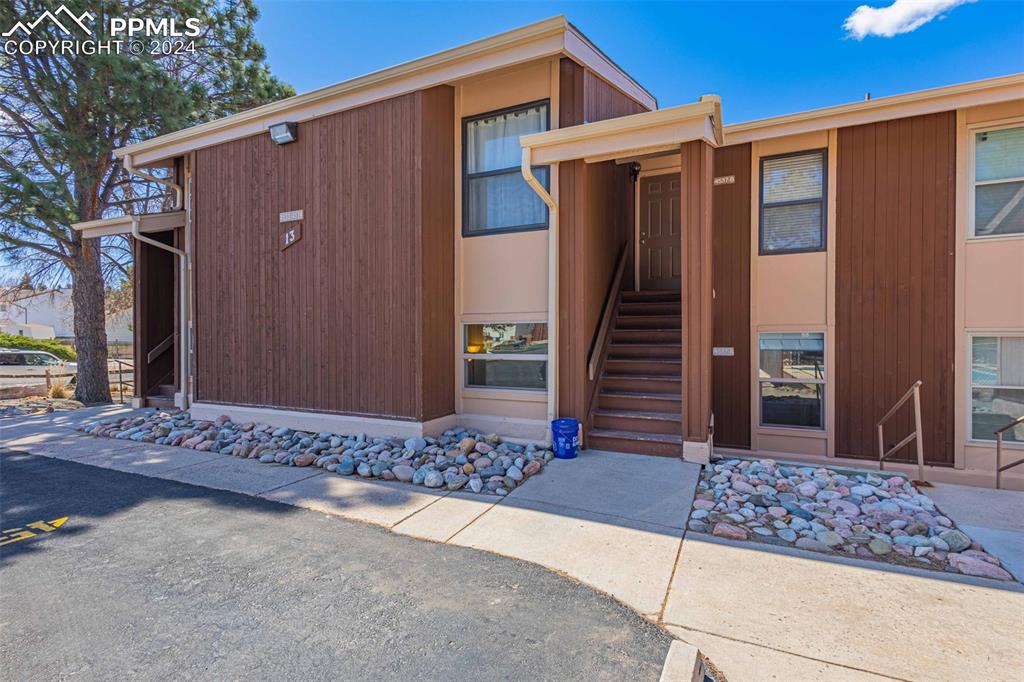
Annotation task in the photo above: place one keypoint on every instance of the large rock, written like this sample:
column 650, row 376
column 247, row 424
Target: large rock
column 956, row 540
column 730, row 531
column 403, row 472
column 969, row 565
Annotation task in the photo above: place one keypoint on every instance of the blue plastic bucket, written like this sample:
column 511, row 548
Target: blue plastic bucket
column 565, row 437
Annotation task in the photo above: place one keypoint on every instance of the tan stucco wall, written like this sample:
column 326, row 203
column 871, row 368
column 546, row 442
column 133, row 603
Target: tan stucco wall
column 501, row 277
column 990, row 292
column 791, row 292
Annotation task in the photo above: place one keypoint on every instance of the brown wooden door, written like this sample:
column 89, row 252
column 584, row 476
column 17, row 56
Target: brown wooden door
column 659, row 233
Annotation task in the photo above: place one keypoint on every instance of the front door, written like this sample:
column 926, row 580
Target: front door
column 659, row 233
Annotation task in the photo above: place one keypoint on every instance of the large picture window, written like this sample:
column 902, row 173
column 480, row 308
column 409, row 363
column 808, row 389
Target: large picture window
column 997, row 386
column 999, row 182
column 506, row 355
column 793, row 203
column 791, row 379
column 495, row 197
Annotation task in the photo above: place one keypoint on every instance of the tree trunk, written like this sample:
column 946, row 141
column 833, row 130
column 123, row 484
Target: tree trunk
column 87, row 298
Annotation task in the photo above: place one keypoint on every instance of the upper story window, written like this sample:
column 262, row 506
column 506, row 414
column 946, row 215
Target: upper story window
column 495, row 197
column 999, row 182
column 793, row 203
column 997, row 386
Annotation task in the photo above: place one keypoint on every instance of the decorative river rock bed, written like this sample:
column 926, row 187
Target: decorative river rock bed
column 859, row 514
column 458, row 459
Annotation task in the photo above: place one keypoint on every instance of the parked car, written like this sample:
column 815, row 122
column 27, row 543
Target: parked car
column 17, row 365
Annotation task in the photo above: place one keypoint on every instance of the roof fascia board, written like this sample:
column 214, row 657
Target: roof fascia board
column 579, row 47
column 627, row 135
column 358, row 92
column 947, row 98
column 148, row 222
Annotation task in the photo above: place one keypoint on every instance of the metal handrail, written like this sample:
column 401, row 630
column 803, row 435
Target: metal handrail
column 915, row 392
column 161, row 347
column 999, row 450
column 121, row 383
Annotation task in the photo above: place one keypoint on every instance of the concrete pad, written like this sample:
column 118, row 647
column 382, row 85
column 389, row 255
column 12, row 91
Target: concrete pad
column 744, row 662
column 378, row 502
column 146, row 459
column 630, row 560
column 682, row 663
column 899, row 624
column 245, row 476
column 986, row 507
column 647, row 489
column 69, row 446
column 1007, row 545
column 447, row 516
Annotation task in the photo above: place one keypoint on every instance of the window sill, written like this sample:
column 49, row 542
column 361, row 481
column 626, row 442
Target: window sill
column 531, row 395
column 794, row 431
column 995, row 238
column 503, row 230
column 991, row 445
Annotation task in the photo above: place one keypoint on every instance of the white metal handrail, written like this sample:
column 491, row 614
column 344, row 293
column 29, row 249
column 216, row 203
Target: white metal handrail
column 883, row 454
column 999, row 450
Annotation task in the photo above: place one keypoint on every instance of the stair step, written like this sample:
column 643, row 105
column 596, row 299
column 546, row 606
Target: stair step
column 650, row 296
column 644, row 366
column 161, row 402
column 629, row 308
column 661, row 444
column 641, row 383
column 648, row 322
column 647, row 336
column 165, row 389
column 645, row 350
column 637, row 421
column 639, row 400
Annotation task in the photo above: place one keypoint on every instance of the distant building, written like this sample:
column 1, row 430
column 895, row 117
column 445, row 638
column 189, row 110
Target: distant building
column 53, row 309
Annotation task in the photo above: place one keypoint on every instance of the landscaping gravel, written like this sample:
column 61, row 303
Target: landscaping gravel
column 859, row 514
column 458, row 459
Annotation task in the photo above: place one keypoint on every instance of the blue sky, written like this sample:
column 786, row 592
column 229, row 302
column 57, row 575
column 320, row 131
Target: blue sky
column 763, row 58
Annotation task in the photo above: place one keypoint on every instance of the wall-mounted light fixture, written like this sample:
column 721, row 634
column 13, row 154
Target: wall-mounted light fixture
column 283, row 133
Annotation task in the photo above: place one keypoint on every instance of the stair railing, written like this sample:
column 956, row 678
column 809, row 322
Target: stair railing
column 883, row 454
column 1000, row 468
column 161, row 347
column 611, row 303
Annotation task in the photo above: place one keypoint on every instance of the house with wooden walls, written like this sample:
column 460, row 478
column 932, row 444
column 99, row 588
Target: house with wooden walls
column 512, row 231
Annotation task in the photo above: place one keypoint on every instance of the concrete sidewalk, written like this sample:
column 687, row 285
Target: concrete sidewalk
column 617, row 523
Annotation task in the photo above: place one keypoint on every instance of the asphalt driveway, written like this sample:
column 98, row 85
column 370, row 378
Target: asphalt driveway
column 153, row 579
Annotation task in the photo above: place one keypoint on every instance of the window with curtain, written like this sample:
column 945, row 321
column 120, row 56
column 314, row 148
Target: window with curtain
column 495, row 197
column 791, row 379
column 999, row 182
column 793, row 203
column 997, row 386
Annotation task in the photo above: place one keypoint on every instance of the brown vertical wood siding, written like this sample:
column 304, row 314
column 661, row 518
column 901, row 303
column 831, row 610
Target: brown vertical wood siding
column 895, row 245
column 595, row 219
column 357, row 316
column 730, row 383
column 696, row 268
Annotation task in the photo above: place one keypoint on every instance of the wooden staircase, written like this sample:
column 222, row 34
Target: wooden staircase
column 639, row 401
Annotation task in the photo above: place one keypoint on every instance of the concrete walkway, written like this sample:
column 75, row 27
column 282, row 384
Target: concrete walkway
column 616, row 522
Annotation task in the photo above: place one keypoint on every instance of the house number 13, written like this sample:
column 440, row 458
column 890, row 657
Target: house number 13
column 291, row 235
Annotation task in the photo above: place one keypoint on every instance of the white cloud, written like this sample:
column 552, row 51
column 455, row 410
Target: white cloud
column 902, row 16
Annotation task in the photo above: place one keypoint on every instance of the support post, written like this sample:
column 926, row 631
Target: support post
column 697, row 297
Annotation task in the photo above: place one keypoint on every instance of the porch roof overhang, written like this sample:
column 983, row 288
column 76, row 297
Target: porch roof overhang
column 148, row 222
column 633, row 136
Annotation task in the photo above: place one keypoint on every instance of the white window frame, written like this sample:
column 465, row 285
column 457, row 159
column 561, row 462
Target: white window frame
column 972, row 183
column 762, row 380
column 1002, row 333
column 536, row 357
